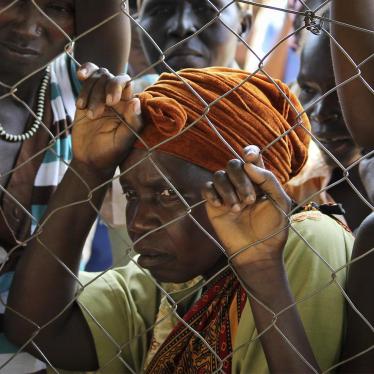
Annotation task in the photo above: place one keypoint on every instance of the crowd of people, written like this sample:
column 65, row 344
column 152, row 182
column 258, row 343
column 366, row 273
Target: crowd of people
column 242, row 219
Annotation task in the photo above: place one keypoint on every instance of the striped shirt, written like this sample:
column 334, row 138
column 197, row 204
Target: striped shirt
column 54, row 163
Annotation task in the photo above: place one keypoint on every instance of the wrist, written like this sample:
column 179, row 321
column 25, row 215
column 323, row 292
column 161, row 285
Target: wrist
column 263, row 278
column 90, row 175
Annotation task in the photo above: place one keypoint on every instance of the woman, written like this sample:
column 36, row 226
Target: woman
column 113, row 325
column 31, row 164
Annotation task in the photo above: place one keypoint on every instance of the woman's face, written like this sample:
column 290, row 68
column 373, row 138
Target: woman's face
column 316, row 77
column 179, row 251
column 28, row 39
column 171, row 21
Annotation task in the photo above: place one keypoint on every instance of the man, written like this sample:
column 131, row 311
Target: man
column 29, row 41
column 172, row 22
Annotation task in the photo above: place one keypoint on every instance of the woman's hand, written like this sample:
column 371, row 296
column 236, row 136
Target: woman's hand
column 106, row 119
column 243, row 205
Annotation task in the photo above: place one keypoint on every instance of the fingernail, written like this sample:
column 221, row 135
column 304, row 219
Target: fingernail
column 236, row 208
column 217, row 203
column 90, row 114
column 109, row 99
column 250, row 152
column 80, row 103
column 83, row 72
column 250, row 199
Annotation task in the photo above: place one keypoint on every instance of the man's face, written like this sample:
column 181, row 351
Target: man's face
column 315, row 79
column 28, row 39
column 172, row 21
column 174, row 252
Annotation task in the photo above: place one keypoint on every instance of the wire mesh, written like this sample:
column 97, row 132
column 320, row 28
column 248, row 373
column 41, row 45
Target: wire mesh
column 313, row 22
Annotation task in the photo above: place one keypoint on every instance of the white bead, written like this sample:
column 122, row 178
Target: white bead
column 39, row 113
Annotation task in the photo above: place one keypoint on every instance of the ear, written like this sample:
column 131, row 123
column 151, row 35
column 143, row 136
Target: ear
column 245, row 24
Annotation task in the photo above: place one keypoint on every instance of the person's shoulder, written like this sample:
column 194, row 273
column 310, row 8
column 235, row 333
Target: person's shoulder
column 130, row 277
column 318, row 237
column 364, row 241
column 365, row 234
column 319, row 226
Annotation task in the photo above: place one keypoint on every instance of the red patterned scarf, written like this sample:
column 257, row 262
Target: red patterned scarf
column 215, row 316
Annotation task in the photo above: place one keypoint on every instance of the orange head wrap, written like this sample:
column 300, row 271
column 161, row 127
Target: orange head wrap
column 254, row 113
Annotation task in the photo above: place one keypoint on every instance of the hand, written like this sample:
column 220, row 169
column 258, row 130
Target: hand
column 241, row 217
column 367, row 176
column 101, row 139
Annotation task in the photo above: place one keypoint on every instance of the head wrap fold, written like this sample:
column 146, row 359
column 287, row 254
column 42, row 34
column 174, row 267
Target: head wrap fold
column 256, row 112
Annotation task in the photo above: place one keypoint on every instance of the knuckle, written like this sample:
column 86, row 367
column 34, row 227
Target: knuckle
column 123, row 77
column 269, row 176
column 103, row 71
column 117, row 81
column 103, row 74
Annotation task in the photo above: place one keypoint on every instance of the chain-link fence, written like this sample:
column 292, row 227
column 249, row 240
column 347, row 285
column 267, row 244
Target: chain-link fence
column 163, row 308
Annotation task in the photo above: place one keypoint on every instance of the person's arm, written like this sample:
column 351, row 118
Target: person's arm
column 360, row 289
column 107, row 46
column 356, row 99
column 358, row 109
column 367, row 176
column 240, row 220
column 42, row 287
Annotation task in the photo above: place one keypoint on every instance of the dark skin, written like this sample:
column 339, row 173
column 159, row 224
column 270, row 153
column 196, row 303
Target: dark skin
column 231, row 204
column 357, row 106
column 28, row 41
column 171, row 21
column 367, row 176
column 153, row 203
column 328, row 124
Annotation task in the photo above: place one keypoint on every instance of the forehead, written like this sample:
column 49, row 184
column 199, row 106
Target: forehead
column 316, row 55
column 142, row 170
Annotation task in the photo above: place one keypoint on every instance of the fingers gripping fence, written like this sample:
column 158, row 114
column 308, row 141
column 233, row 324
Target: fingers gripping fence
column 314, row 23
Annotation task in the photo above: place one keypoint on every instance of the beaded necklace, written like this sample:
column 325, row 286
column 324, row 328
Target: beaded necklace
column 39, row 114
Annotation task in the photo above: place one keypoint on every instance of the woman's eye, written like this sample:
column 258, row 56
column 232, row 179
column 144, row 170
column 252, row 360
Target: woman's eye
column 130, row 195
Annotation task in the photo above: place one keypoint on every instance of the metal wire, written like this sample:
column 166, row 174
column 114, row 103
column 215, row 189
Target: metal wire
column 314, row 23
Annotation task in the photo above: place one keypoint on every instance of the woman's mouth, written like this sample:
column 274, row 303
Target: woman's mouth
column 150, row 258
